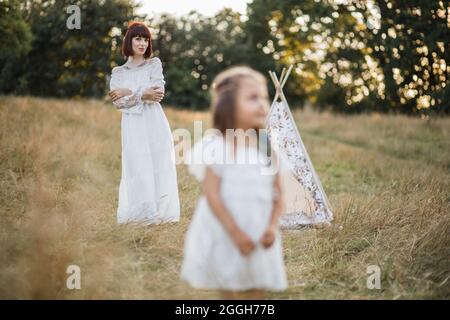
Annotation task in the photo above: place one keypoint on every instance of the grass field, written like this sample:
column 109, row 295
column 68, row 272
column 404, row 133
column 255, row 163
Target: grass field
column 387, row 178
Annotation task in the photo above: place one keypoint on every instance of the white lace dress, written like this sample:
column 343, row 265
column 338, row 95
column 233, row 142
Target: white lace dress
column 211, row 259
column 148, row 191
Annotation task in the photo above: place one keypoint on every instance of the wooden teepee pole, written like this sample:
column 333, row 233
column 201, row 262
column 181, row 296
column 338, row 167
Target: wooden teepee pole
column 286, row 76
column 279, row 84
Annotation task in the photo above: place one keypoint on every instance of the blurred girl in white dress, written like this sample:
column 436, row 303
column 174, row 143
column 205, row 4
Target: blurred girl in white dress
column 148, row 190
column 233, row 243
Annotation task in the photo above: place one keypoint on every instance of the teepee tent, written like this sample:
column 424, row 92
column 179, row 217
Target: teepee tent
column 305, row 201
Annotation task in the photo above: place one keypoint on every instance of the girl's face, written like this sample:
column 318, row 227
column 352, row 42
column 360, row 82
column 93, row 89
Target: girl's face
column 139, row 45
column 252, row 104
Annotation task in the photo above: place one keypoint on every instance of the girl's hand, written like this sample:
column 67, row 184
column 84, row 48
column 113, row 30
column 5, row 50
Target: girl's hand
column 155, row 94
column 243, row 242
column 119, row 93
column 268, row 237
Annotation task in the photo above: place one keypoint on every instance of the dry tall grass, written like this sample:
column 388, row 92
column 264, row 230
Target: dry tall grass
column 387, row 178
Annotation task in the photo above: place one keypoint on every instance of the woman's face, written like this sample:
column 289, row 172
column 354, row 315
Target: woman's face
column 139, row 45
column 252, row 104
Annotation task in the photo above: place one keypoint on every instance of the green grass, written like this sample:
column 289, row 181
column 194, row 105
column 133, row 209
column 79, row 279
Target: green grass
column 387, row 178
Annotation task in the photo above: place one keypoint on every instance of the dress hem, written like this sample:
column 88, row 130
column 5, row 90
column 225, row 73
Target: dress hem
column 202, row 286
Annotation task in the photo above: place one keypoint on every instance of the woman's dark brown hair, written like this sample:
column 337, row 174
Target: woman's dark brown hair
column 136, row 29
column 224, row 91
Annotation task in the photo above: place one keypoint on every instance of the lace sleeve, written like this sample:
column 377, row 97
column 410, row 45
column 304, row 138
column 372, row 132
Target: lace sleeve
column 125, row 102
column 157, row 76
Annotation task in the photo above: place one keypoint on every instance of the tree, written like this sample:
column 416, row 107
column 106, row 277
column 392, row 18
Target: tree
column 368, row 55
column 71, row 62
column 194, row 49
column 16, row 42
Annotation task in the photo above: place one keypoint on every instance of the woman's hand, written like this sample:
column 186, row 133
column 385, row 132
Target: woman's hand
column 243, row 242
column 155, row 94
column 268, row 237
column 119, row 93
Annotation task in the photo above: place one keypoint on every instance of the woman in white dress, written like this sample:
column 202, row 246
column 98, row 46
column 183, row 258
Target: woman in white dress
column 148, row 191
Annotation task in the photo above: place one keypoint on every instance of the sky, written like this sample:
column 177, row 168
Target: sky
column 180, row 7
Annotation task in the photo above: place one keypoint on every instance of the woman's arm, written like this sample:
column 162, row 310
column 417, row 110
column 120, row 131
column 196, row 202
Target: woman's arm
column 158, row 75
column 123, row 98
column 154, row 94
column 211, row 188
column 156, row 91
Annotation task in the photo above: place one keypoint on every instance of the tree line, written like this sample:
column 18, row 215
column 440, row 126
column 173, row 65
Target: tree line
column 348, row 56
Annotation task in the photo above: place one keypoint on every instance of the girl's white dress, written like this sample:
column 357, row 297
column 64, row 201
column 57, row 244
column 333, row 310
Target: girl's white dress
column 148, row 190
column 211, row 259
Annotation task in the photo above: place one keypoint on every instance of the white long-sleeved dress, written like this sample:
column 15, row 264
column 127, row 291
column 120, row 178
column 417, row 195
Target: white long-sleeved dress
column 148, row 190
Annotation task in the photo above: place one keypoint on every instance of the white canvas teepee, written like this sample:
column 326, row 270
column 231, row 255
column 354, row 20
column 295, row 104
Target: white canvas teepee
column 305, row 201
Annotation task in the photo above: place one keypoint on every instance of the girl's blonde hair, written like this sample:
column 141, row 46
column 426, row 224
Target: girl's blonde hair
column 224, row 89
